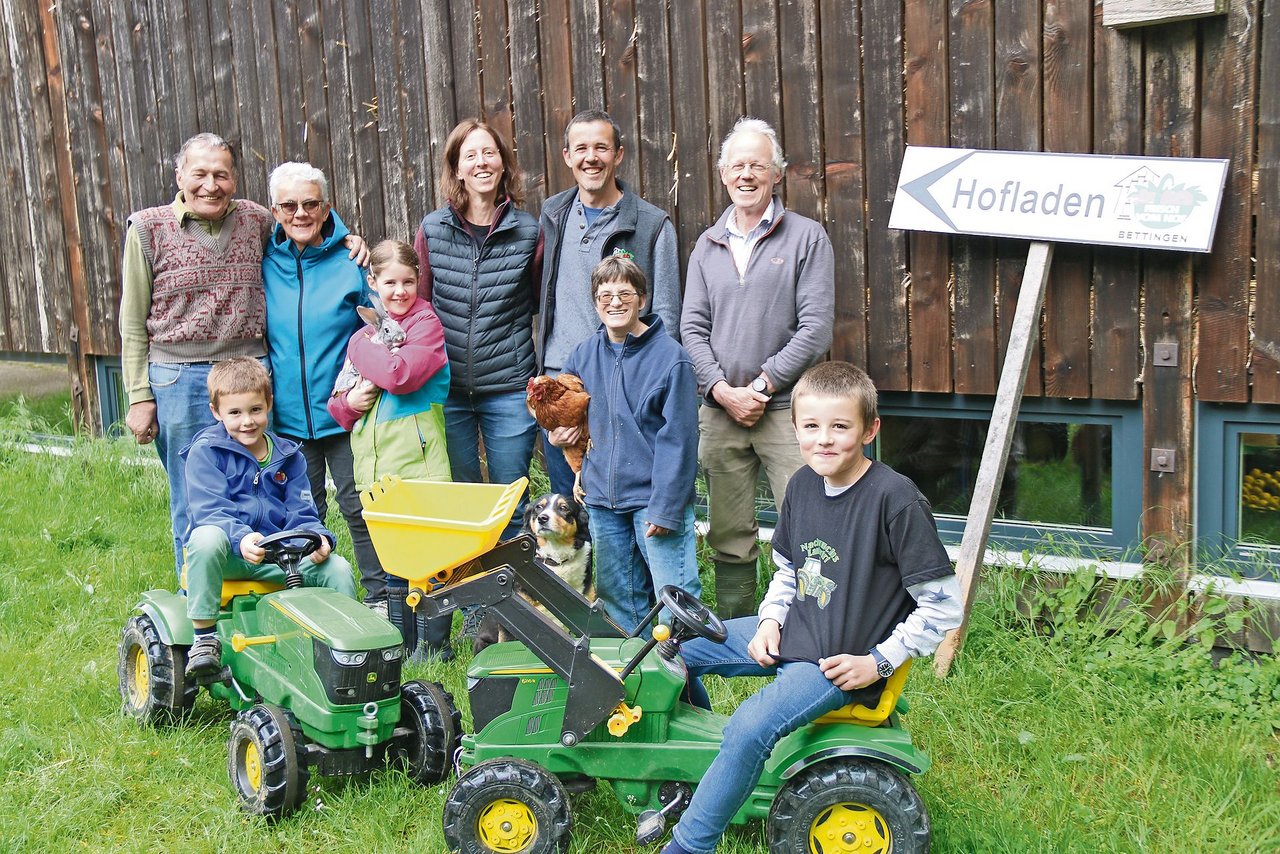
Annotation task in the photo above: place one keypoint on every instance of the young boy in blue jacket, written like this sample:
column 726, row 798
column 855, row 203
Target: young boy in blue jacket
column 638, row 475
column 244, row 484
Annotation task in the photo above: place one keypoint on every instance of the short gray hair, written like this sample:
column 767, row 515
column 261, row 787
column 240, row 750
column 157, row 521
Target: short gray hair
column 293, row 171
column 747, row 124
column 204, row 140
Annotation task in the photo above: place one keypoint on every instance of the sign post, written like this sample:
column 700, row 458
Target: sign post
column 1144, row 202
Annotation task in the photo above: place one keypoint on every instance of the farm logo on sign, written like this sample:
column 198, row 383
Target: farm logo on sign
column 1164, row 204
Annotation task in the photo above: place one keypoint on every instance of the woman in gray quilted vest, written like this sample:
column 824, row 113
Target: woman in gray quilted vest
column 480, row 261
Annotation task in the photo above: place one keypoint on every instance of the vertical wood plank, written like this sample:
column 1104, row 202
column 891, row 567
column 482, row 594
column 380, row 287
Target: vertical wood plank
column 526, row 98
column 842, row 136
column 1227, row 130
column 386, row 73
column 760, row 61
column 361, row 60
column 655, row 134
column 801, row 129
column 925, row 30
column 619, row 29
column 695, row 175
column 1170, row 131
column 294, row 129
column 442, row 74
column 313, row 94
column 1068, row 56
column 253, row 120
column 151, row 166
column 1018, row 111
column 495, row 66
column 340, row 117
column 257, row 162
column 556, row 57
column 1114, row 362
column 196, row 32
column 588, row 55
column 465, row 32
column 419, row 177
column 882, row 68
column 1266, row 342
column 223, row 81
column 973, row 109
column 725, row 91
column 18, row 297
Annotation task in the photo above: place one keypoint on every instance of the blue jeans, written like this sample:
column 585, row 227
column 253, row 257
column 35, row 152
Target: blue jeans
column 182, row 410
column 558, row 471
column 798, row 695
column 631, row 568
column 503, row 422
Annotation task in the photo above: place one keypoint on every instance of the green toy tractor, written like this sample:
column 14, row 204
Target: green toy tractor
column 573, row 701
column 313, row 675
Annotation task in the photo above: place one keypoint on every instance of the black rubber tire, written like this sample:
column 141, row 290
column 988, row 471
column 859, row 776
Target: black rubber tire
column 160, row 695
column 845, row 786
column 500, row 781
column 427, row 755
column 271, row 737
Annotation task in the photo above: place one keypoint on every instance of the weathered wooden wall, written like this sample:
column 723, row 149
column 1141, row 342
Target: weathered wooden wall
column 96, row 96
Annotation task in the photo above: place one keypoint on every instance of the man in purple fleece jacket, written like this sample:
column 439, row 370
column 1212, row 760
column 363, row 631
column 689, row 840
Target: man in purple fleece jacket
column 759, row 305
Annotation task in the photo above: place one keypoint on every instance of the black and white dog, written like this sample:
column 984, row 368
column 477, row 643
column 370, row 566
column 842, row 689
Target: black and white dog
column 559, row 524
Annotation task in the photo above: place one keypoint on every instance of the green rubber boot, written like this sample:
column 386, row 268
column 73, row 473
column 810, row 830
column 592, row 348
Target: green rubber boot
column 735, row 590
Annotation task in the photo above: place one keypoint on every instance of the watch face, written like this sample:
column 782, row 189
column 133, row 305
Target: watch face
column 885, row 669
column 758, row 384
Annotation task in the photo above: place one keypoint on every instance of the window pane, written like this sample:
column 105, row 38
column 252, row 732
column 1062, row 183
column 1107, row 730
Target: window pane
column 1259, row 493
column 1057, row 473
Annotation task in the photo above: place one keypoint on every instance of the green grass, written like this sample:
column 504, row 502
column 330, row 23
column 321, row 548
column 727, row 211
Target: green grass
column 1081, row 740
column 49, row 413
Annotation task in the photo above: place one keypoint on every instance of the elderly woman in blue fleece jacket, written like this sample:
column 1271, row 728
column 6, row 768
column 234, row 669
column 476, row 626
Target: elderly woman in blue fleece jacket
column 638, row 475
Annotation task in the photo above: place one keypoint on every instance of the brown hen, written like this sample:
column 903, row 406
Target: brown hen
column 561, row 401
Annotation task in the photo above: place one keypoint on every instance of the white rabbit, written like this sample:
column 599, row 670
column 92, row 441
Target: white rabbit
column 389, row 333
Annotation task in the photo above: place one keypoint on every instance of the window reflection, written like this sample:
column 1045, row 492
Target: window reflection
column 1259, row 489
column 1057, row 473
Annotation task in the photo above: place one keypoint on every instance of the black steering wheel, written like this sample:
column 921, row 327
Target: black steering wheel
column 690, row 612
column 287, row 549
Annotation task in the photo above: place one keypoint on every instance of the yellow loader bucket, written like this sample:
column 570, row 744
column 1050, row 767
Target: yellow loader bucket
column 423, row 529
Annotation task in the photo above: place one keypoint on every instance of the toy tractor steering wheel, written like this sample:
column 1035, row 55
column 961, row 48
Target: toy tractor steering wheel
column 691, row 614
column 284, row 550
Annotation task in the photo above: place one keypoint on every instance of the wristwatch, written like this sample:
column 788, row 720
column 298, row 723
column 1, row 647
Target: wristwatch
column 759, row 384
column 884, row 666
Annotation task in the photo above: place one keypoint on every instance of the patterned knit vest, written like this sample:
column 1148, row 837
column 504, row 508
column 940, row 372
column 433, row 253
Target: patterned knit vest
column 207, row 301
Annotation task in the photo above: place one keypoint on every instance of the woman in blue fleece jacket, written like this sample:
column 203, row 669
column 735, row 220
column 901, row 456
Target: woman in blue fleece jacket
column 638, row 475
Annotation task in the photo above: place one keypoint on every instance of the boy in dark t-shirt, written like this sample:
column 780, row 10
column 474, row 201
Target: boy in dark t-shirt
column 863, row 584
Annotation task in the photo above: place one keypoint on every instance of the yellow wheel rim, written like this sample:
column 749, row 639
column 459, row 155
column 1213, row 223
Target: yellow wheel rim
column 139, row 678
column 252, row 766
column 506, row 826
column 846, row 828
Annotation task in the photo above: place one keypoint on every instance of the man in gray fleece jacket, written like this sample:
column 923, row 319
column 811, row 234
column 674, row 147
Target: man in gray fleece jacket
column 759, row 305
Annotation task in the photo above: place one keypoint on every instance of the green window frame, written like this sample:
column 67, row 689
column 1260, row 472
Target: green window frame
column 1219, row 483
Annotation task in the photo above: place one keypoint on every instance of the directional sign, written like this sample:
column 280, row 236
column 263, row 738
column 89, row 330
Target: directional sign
column 1148, row 202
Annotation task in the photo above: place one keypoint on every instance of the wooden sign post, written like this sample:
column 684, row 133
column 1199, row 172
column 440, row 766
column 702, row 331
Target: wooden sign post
column 1149, row 202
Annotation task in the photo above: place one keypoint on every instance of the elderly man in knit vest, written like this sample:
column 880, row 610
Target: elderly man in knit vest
column 191, row 295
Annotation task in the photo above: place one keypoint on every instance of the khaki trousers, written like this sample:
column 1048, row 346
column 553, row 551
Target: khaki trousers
column 731, row 456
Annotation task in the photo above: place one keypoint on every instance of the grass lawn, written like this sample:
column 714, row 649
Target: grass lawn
column 1075, row 741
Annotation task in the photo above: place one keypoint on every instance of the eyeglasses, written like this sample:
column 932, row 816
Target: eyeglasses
column 606, row 297
column 753, row 168
column 291, row 208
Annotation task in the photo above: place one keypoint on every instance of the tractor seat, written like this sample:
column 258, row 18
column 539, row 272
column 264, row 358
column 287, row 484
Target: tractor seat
column 856, row 713
column 232, row 588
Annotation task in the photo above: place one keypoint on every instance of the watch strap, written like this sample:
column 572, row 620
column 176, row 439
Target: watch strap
column 884, row 667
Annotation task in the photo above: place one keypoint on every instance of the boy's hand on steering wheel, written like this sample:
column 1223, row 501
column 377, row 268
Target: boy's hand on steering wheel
column 322, row 552
column 849, row 672
column 764, row 644
column 249, row 549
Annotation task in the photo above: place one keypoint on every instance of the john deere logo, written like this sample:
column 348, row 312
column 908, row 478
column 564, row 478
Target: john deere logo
column 1164, row 204
column 371, row 678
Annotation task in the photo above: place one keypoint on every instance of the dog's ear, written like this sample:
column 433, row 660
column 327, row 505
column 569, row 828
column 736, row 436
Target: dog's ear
column 582, row 520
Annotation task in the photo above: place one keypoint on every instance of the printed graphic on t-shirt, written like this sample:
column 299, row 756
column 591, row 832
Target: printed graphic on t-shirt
column 809, row 578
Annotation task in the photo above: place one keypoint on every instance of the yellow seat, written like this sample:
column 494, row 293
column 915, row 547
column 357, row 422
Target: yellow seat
column 231, row 588
column 856, row 713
